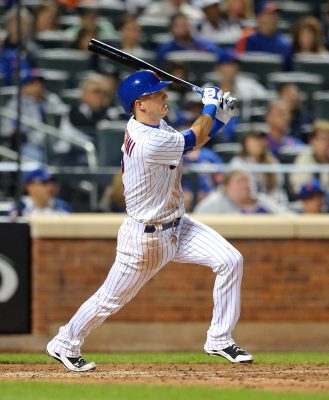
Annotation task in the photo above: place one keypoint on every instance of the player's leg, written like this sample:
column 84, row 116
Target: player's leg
column 139, row 257
column 199, row 244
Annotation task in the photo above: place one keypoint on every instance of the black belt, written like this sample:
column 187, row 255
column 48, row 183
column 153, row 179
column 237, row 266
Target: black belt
column 168, row 225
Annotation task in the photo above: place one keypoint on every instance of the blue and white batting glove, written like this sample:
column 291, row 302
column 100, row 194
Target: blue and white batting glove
column 212, row 95
column 224, row 111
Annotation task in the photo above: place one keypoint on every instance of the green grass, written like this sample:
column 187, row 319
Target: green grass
column 165, row 358
column 60, row 391
column 35, row 390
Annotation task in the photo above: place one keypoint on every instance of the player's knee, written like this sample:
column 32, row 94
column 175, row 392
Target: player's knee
column 238, row 265
column 231, row 264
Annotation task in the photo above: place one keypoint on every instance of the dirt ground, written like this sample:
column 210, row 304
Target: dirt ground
column 297, row 378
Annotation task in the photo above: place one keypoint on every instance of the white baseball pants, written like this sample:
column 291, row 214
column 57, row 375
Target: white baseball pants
column 139, row 257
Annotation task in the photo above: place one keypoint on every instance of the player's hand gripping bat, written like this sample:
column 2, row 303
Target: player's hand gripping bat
column 136, row 63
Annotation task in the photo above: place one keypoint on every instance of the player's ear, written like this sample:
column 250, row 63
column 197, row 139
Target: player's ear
column 139, row 105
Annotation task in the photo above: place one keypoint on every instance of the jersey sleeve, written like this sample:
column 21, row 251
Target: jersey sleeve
column 165, row 147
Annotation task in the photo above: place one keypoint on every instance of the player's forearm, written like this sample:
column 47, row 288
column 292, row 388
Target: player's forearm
column 201, row 128
column 203, row 125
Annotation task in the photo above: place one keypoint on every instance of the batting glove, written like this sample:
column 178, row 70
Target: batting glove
column 212, row 95
column 225, row 109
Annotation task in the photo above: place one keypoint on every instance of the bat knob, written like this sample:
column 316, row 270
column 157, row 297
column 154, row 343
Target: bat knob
column 231, row 103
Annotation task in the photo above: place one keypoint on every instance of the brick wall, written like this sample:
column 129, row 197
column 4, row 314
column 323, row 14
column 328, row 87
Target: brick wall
column 284, row 280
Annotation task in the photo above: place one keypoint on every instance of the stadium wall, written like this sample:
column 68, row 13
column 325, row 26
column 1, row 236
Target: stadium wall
column 285, row 282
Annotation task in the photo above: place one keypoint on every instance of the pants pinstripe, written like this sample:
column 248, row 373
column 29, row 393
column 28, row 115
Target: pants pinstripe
column 139, row 257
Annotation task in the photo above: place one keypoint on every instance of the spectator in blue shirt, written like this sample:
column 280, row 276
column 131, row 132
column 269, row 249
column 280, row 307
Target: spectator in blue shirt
column 183, row 39
column 9, row 49
column 266, row 37
column 206, row 182
column 41, row 196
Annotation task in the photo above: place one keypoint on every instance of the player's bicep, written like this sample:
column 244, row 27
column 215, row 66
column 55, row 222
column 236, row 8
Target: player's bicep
column 165, row 148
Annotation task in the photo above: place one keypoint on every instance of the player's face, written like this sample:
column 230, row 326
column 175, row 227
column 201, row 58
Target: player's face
column 155, row 104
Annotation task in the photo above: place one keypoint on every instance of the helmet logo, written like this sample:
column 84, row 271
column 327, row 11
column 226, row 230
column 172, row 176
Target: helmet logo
column 155, row 74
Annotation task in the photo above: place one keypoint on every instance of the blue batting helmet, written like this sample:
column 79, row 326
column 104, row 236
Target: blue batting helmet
column 139, row 84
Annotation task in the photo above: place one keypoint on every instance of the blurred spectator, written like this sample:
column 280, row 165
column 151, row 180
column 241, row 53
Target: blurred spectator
column 169, row 8
column 308, row 36
column 46, row 17
column 69, row 5
column 317, row 155
column 278, row 119
column 36, row 102
column 183, row 39
column 180, row 70
column 290, row 94
column 238, row 11
column 9, row 50
column 111, row 80
column 90, row 110
column 84, row 117
column 89, row 20
column 40, row 199
column 130, row 34
column 206, row 182
column 236, row 197
column 113, row 199
column 254, row 151
column 83, row 37
column 312, row 197
column 243, row 87
column 136, row 7
column 266, row 37
column 215, row 26
column 181, row 117
column 81, row 41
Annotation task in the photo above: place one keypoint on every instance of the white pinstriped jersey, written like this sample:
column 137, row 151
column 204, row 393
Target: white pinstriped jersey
column 152, row 171
column 152, row 164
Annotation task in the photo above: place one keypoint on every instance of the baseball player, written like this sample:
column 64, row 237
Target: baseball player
column 157, row 230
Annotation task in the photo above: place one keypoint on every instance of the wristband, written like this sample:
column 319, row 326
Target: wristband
column 210, row 109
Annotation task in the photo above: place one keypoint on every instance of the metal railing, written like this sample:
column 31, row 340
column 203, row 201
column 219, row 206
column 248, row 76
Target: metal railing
column 12, row 155
column 197, row 169
column 86, row 145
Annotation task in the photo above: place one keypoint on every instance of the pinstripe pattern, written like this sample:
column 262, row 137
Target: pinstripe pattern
column 152, row 180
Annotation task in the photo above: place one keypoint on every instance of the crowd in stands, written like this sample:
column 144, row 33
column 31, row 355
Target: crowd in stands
column 207, row 42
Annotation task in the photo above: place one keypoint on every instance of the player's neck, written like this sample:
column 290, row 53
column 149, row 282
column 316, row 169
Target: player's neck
column 147, row 119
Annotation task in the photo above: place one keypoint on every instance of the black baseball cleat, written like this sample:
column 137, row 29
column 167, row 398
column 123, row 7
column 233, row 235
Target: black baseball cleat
column 233, row 353
column 73, row 364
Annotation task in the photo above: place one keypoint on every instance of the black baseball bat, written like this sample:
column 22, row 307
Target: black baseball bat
column 136, row 63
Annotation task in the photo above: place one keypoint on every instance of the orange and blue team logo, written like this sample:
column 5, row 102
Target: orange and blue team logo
column 155, row 74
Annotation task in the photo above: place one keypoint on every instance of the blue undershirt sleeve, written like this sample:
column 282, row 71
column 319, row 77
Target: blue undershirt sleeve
column 216, row 126
column 190, row 140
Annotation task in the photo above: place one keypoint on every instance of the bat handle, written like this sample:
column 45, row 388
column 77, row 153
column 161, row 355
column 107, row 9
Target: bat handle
column 231, row 104
column 197, row 89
